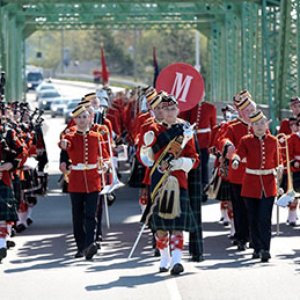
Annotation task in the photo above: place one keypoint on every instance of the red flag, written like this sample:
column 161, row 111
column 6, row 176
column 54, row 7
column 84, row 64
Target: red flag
column 104, row 71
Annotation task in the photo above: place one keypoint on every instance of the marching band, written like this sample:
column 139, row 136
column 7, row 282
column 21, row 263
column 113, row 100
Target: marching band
column 170, row 152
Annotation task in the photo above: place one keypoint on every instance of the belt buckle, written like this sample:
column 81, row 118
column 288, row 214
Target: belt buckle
column 85, row 167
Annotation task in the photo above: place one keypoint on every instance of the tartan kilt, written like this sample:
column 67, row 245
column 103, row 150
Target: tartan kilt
column 8, row 210
column 224, row 191
column 185, row 222
column 296, row 181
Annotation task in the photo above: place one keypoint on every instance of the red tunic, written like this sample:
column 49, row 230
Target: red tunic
column 84, row 149
column 144, row 128
column 262, row 156
column 205, row 117
column 188, row 151
column 294, row 149
column 285, row 127
column 233, row 135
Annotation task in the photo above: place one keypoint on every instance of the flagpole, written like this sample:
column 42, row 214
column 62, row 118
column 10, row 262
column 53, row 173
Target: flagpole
column 197, row 50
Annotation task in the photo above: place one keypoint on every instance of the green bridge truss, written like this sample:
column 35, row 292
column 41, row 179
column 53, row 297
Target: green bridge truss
column 252, row 44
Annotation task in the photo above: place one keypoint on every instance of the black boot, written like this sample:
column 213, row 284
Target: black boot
column 265, row 256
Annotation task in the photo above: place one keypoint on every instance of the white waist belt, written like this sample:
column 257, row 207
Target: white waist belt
column 81, row 167
column 203, row 130
column 260, row 172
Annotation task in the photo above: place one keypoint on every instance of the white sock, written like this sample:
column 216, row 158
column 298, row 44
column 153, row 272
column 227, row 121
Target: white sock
column 2, row 243
column 22, row 218
column 29, row 212
column 232, row 229
column 165, row 258
column 176, row 256
column 292, row 216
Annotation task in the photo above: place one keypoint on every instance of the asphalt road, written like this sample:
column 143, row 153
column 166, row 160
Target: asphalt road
column 42, row 264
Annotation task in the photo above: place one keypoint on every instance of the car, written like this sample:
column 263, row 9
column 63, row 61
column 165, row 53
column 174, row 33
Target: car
column 46, row 98
column 33, row 79
column 45, row 85
column 68, row 110
column 57, row 107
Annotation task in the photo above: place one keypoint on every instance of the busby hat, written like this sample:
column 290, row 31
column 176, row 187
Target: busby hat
column 169, row 100
column 150, row 95
column 90, row 96
column 294, row 100
column 239, row 97
column 78, row 110
column 257, row 116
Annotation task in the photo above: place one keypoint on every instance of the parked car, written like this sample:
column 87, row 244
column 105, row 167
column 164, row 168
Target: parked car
column 46, row 98
column 57, row 107
column 68, row 110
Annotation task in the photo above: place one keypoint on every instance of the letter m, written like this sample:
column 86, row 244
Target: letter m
column 180, row 89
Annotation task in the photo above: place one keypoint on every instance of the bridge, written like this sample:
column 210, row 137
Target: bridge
column 251, row 44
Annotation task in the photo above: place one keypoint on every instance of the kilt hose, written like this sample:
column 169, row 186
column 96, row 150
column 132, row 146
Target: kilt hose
column 8, row 209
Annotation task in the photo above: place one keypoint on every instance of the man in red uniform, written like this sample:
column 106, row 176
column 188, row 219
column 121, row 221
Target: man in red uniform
column 259, row 186
column 232, row 137
column 294, row 156
column 171, row 147
column 84, row 148
column 205, row 117
column 295, row 108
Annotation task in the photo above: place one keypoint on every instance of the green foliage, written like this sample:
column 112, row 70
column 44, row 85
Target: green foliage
column 126, row 52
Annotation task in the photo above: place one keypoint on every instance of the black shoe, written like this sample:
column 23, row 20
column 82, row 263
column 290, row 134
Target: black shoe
column 265, row 256
column 90, row 251
column 241, row 246
column 226, row 223
column 13, row 231
column 78, row 254
column 177, row 269
column 163, row 270
column 20, row 228
column 292, row 224
column 156, row 253
column 98, row 245
column 251, row 245
column 99, row 238
column 256, row 254
column 204, row 198
column 29, row 221
column 111, row 198
column 197, row 258
column 10, row 244
column 3, row 253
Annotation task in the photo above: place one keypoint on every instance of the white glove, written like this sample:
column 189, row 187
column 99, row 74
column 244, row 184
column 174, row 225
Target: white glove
column 149, row 138
column 188, row 133
column 183, row 163
column 147, row 156
column 235, row 164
